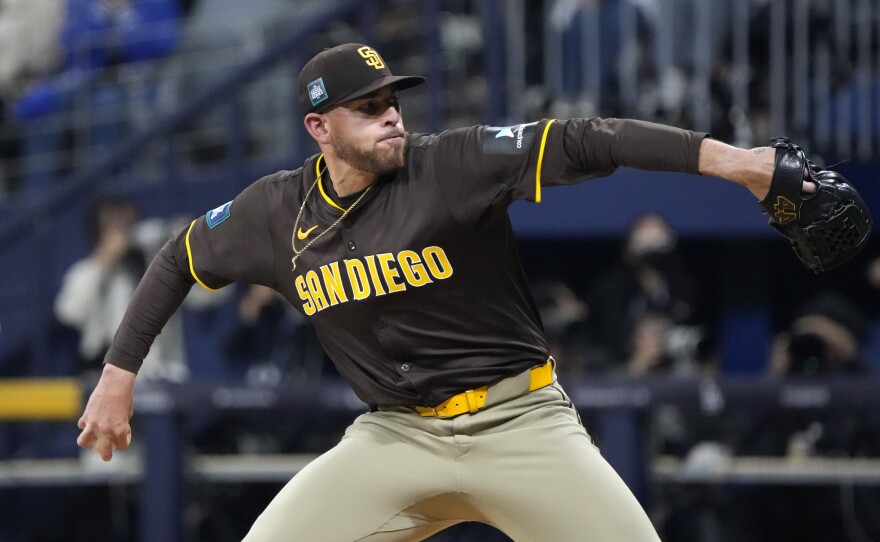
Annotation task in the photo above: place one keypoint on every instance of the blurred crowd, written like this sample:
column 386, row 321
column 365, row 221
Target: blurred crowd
column 99, row 69
column 63, row 76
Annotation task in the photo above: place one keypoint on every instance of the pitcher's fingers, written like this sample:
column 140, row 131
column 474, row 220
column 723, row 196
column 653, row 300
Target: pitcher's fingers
column 81, row 423
column 123, row 439
column 87, row 438
column 104, row 447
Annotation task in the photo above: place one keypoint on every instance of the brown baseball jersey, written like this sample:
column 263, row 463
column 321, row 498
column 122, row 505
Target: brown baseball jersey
column 417, row 292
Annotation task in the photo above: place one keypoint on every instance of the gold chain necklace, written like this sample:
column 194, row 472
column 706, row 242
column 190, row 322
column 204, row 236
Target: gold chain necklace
column 318, row 175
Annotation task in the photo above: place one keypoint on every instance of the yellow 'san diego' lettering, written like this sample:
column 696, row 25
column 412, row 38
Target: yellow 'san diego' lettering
column 309, row 305
column 373, row 275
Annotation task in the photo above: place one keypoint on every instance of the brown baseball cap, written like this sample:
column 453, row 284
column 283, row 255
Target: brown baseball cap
column 344, row 73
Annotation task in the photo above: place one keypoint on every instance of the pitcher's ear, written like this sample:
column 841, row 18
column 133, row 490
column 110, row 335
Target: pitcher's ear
column 316, row 126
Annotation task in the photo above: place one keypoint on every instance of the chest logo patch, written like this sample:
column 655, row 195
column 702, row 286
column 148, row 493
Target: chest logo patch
column 218, row 215
column 301, row 235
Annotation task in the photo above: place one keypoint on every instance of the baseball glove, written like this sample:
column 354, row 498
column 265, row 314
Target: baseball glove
column 825, row 228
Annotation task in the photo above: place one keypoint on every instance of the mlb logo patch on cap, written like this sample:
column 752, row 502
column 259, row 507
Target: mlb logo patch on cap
column 317, row 91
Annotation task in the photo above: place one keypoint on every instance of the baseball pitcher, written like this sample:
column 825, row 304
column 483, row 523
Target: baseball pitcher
column 398, row 248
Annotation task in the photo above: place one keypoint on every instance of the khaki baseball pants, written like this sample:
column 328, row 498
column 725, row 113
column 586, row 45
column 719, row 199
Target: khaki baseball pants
column 524, row 465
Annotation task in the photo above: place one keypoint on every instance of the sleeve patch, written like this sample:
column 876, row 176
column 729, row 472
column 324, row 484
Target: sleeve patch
column 218, row 215
column 508, row 139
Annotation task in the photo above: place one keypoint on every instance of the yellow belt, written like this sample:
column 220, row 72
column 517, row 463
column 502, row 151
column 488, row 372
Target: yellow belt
column 473, row 400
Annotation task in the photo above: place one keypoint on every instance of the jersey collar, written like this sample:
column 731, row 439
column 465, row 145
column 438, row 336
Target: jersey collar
column 320, row 180
column 340, row 204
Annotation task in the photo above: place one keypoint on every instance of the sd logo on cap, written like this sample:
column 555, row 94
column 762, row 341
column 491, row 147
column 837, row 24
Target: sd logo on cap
column 344, row 73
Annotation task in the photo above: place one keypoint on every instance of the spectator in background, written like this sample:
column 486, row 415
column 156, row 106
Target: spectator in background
column 645, row 308
column 98, row 36
column 825, row 338
column 645, row 321
column 97, row 289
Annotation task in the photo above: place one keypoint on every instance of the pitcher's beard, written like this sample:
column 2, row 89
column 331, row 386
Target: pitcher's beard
column 373, row 161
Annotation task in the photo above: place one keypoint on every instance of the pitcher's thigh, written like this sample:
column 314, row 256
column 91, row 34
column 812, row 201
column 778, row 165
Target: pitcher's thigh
column 353, row 491
column 555, row 485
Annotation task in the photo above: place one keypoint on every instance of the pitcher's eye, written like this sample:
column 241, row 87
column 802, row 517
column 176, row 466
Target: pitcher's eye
column 369, row 108
column 377, row 106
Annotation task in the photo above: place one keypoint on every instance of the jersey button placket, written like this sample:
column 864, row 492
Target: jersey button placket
column 347, row 233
